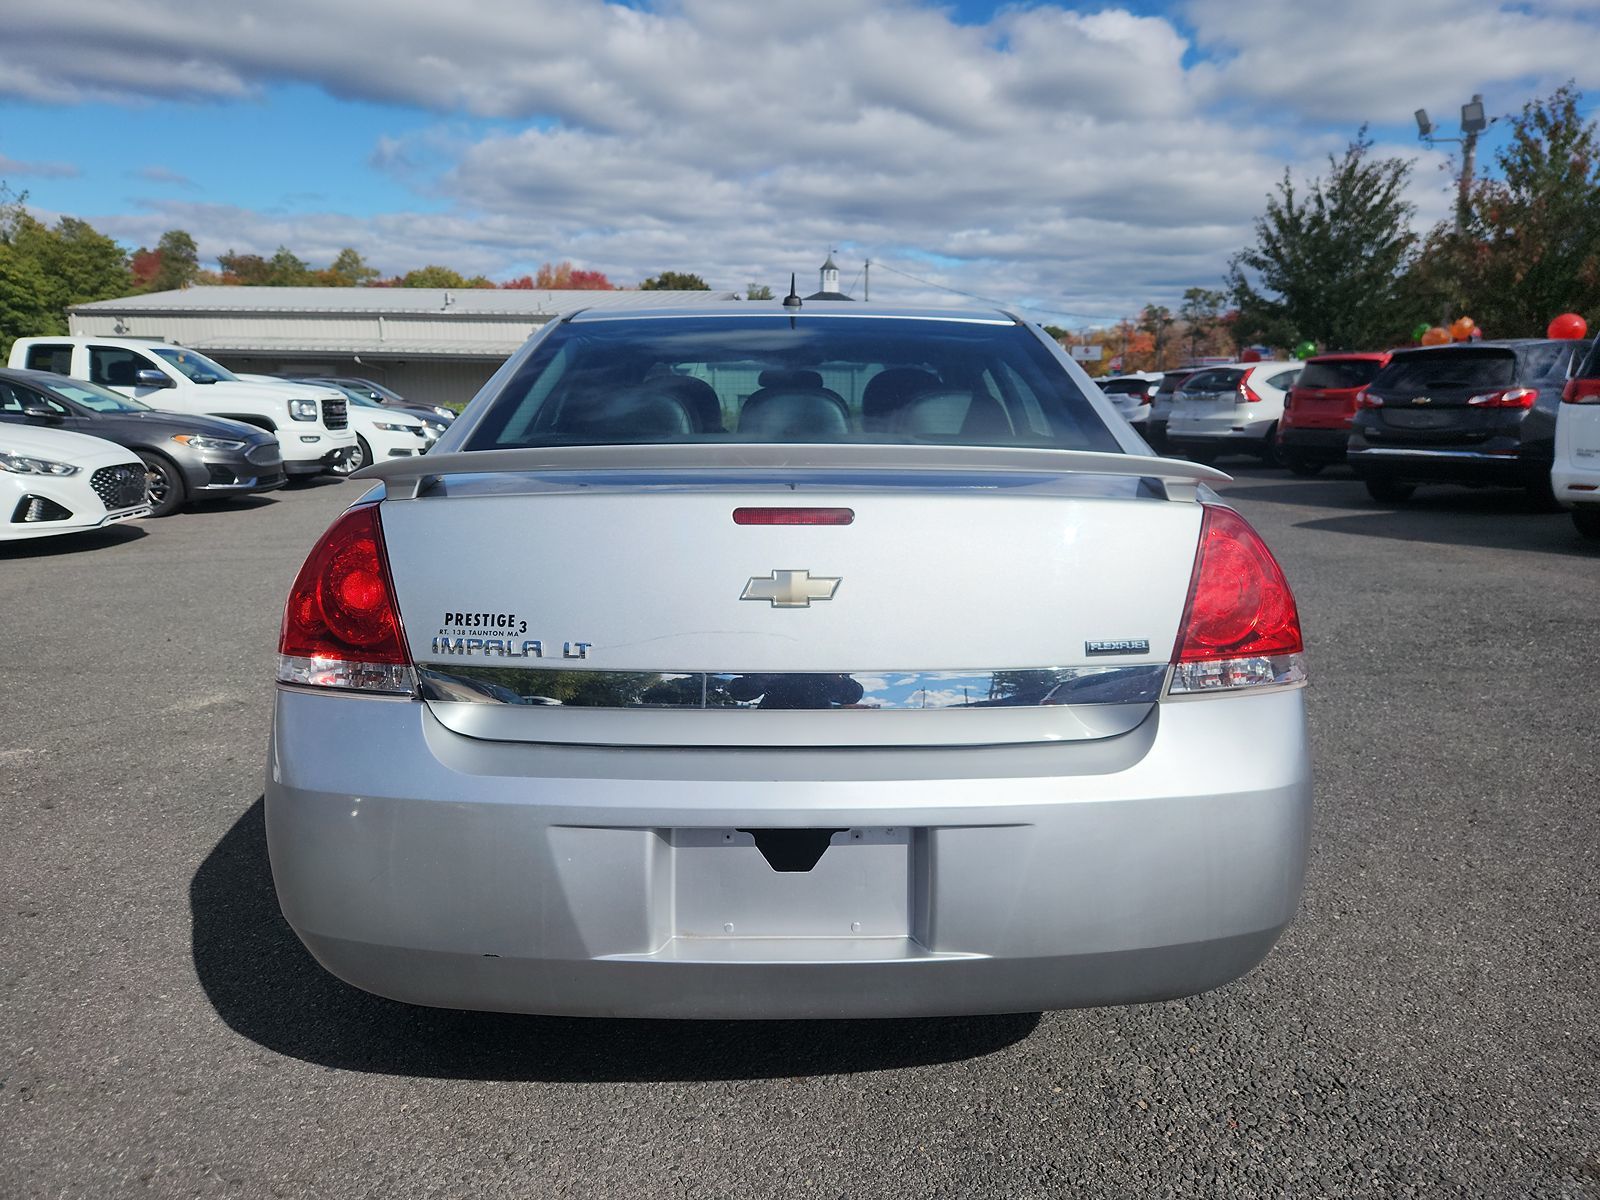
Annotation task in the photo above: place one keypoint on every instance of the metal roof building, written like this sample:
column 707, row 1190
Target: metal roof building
column 434, row 345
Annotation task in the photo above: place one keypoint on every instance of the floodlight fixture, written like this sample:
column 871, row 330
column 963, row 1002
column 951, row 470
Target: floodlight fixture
column 1424, row 126
column 1473, row 119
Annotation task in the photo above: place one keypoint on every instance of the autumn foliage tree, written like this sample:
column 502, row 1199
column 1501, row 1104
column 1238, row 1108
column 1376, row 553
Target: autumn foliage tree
column 562, row 277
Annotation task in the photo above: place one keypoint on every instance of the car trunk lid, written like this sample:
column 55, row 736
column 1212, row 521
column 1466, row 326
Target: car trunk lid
column 627, row 606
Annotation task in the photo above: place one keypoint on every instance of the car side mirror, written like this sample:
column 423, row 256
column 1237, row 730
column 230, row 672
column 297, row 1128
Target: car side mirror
column 150, row 377
column 41, row 412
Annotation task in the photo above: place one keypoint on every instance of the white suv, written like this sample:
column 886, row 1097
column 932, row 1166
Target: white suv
column 1575, row 478
column 311, row 422
column 1231, row 410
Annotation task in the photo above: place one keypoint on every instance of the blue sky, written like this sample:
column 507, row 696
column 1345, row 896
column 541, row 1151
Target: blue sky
column 1082, row 159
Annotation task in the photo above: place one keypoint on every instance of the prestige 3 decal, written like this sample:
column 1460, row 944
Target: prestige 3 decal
column 497, row 635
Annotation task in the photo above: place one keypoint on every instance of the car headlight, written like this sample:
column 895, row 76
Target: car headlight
column 303, row 410
column 34, row 466
column 392, row 428
column 447, row 413
column 200, row 441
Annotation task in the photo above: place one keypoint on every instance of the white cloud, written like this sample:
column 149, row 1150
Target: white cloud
column 11, row 168
column 1067, row 159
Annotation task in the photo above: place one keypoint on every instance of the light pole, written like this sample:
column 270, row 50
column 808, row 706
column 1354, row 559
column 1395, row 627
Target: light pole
column 1473, row 122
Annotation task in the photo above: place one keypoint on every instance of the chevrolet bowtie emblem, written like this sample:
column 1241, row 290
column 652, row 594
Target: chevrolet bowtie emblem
column 790, row 589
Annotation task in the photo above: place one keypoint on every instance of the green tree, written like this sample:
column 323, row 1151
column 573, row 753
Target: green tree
column 757, row 291
column 23, row 310
column 1201, row 314
column 1531, row 245
column 349, row 269
column 248, row 270
column 433, row 277
column 180, row 261
column 48, row 268
column 1157, row 321
column 674, row 281
column 287, row 269
column 1328, row 263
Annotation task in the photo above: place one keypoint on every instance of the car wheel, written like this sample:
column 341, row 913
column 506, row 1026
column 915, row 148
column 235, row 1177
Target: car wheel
column 1303, row 467
column 358, row 456
column 1390, row 491
column 1587, row 518
column 164, row 486
column 1269, row 449
column 1543, row 494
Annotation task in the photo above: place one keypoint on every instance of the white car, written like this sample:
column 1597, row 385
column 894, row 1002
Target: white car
column 1575, row 478
column 381, row 433
column 54, row 482
column 1231, row 410
column 1132, row 394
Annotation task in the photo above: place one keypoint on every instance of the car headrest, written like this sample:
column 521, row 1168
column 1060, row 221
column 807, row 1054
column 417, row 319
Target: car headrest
column 696, row 395
column 887, row 391
column 631, row 413
column 953, row 412
column 774, row 377
column 782, row 415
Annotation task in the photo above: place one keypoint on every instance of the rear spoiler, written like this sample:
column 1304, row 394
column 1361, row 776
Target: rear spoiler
column 409, row 478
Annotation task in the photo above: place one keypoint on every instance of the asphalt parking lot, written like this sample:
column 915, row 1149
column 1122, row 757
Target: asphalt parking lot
column 1427, row 1028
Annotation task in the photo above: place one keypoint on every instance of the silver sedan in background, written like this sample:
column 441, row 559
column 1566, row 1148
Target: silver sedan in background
column 694, row 675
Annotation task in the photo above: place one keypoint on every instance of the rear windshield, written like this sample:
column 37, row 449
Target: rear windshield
column 782, row 379
column 1212, row 381
column 1339, row 373
column 1447, row 369
column 1173, row 380
column 1125, row 387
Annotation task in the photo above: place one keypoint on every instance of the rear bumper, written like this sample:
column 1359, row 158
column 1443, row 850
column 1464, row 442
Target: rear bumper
column 1440, row 465
column 1209, row 432
column 1319, row 445
column 440, row 870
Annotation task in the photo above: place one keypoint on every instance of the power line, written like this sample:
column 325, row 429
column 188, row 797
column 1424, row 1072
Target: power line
column 1048, row 312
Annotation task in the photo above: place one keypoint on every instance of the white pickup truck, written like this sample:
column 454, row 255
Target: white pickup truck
column 312, row 423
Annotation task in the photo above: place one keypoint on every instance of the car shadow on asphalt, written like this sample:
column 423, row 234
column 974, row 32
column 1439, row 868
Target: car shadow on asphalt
column 266, row 987
column 73, row 543
column 1490, row 518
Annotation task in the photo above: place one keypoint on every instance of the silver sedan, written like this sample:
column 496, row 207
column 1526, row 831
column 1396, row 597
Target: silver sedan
column 773, row 662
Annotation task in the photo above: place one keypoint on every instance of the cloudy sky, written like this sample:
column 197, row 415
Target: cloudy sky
column 1077, row 159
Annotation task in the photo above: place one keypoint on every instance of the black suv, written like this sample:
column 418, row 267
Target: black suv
column 1480, row 413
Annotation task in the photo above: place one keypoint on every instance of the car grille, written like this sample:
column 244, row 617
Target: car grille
column 119, row 487
column 264, row 455
column 335, row 414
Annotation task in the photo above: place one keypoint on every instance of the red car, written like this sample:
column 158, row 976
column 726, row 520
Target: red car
column 1319, row 409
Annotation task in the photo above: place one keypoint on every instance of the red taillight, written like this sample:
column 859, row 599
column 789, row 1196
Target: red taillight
column 1581, row 391
column 1509, row 398
column 341, row 627
column 1249, row 393
column 1240, row 625
column 1365, row 399
column 793, row 516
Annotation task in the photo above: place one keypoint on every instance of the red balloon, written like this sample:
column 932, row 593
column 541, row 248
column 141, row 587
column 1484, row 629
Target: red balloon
column 1250, row 356
column 1567, row 325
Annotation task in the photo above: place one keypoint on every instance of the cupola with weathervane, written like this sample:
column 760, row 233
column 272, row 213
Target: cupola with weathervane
column 830, row 282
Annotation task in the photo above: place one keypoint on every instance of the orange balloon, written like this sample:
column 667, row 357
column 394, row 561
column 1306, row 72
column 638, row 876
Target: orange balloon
column 1437, row 336
column 1462, row 329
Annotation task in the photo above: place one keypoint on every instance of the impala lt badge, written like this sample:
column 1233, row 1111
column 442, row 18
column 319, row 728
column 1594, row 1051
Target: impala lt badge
column 790, row 589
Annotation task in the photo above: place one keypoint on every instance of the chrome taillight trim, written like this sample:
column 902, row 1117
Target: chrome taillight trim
column 1233, row 674
column 864, row 691
column 389, row 679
